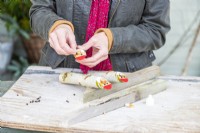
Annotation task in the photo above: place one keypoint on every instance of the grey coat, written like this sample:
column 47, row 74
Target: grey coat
column 138, row 27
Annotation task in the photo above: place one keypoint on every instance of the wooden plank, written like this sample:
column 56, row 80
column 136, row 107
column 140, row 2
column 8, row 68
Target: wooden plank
column 117, row 100
column 182, row 79
column 134, row 79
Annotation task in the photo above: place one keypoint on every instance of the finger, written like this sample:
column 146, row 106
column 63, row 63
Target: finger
column 100, row 54
column 51, row 42
column 94, row 60
column 61, row 37
column 94, row 63
column 72, row 42
column 55, row 44
column 89, row 44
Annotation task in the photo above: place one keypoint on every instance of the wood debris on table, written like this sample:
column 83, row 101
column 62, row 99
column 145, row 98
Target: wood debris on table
column 129, row 105
column 150, row 101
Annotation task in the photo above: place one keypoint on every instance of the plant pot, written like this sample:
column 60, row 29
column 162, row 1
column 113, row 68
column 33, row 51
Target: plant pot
column 6, row 48
column 33, row 47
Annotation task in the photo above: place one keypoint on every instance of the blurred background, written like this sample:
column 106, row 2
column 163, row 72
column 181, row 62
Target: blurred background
column 181, row 53
column 20, row 48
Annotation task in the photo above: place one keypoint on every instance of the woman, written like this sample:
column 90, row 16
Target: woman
column 118, row 35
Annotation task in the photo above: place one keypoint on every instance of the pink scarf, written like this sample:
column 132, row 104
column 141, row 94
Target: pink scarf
column 98, row 19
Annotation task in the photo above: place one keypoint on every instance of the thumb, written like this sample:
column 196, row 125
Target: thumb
column 72, row 42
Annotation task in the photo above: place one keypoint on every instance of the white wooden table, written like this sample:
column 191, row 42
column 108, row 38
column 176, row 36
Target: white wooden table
column 176, row 110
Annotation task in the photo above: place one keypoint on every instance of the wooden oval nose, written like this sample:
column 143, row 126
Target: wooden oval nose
column 124, row 80
column 81, row 57
column 108, row 87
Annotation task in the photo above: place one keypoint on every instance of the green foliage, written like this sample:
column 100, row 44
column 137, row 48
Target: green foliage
column 17, row 9
column 18, row 67
column 12, row 26
column 15, row 14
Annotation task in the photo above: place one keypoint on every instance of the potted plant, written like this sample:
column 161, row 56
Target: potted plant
column 6, row 48
column 7, row 39
column 19, row 9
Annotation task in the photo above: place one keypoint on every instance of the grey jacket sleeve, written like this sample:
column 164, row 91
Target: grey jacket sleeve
column 42, row 16
column 148, row 35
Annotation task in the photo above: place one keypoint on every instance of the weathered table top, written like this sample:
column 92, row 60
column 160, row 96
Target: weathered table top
column 176, row 110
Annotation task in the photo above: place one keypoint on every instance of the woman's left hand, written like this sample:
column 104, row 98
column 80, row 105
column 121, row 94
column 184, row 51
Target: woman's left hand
column 99, row 43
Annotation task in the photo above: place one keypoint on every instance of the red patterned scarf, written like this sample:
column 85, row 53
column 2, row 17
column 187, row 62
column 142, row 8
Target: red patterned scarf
column 98, row 19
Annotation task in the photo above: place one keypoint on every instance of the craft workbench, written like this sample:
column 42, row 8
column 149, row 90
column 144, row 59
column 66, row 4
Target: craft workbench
column 177, row 109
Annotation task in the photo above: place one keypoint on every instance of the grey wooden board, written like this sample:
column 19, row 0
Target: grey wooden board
column 118, row 99
column 53, row 113
column 134, row 79
column 176, row 110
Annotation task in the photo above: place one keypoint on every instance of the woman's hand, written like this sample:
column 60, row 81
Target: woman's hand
column 62, row 40
column 99, row 43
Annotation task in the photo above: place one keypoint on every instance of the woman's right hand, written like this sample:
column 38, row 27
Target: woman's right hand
column 62, row 40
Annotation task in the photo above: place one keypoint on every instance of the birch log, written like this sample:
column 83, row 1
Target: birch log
column 85, row 80
column 111, row 76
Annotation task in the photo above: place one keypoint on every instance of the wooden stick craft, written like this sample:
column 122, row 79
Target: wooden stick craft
column 80, row 54
column 111, row 76
column 86, row 80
